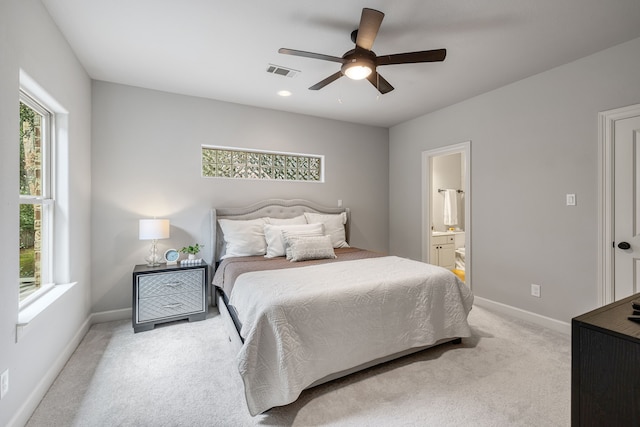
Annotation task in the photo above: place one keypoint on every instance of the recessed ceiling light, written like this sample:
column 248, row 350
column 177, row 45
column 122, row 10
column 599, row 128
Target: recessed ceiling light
column 284, row 93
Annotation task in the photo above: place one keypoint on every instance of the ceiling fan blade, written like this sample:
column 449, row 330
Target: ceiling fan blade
column 412, row 57
column 369, row 25
column 323, row 83
column 310, row 55
column 380, row 82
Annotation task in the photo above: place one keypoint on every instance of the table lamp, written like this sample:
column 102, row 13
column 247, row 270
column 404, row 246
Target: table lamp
column 153, row 229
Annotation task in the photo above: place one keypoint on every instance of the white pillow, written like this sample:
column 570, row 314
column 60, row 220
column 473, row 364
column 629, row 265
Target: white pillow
column 310, row 247
column 287, row 221
column 243, row 237
column 275, row 239
column 333, row 226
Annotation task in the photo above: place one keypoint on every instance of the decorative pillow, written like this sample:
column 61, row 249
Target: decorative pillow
column 317, row 231
column 275, row 239
column 333, row 226
column 287, row 221
column 310, row 247
column 243, row 237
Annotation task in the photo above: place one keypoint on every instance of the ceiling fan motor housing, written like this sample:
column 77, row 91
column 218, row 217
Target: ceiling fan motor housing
column 358, row 58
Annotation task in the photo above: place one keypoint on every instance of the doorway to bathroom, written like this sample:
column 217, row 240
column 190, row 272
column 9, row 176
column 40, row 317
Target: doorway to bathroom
column 446, row 208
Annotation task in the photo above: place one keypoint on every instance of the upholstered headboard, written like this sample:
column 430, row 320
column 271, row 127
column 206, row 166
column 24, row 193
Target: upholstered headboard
column 274, row 208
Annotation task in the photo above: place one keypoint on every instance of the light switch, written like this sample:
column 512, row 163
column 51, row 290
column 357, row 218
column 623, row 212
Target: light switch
column 571, row 199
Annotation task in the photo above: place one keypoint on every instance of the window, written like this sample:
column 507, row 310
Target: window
column 222, row 162
column 36, row 198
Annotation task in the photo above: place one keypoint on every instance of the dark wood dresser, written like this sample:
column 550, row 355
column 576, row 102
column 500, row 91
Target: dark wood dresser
column 605, row 367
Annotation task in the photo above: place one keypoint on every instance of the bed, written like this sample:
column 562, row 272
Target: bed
column 303, row 307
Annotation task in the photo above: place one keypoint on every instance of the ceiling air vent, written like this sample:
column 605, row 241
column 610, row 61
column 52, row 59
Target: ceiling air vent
column 281, row 71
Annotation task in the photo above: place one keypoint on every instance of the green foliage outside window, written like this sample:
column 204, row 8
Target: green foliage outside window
column 30, row 185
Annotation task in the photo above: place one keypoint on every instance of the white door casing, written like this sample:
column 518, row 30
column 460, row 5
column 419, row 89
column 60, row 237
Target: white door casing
column 619, row 204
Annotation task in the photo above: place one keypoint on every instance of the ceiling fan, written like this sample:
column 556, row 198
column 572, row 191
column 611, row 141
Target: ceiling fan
column 361, row 62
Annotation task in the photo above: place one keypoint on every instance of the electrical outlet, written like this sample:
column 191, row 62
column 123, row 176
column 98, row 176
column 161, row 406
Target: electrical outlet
column 4, row 383
column 535, row 290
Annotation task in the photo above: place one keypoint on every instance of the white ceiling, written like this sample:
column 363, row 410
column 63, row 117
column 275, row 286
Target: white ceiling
column 220, row 49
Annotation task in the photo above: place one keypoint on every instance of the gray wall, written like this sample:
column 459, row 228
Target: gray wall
column 146, row 162
column 532, row 142
column 34, row 361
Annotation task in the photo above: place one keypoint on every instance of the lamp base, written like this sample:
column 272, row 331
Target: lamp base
column 153, row 260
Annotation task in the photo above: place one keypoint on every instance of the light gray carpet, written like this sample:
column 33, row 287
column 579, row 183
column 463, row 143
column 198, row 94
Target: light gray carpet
column 510, row 373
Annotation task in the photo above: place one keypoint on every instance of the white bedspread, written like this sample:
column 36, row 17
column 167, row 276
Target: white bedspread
column 305, row 323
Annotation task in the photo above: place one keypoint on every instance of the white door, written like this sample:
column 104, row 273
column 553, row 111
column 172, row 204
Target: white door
column 626, row 216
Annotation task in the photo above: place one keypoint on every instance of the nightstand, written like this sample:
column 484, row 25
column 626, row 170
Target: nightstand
column 167, row 293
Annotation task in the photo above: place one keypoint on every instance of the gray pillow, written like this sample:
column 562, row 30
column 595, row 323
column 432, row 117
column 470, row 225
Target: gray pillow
column 310, row 247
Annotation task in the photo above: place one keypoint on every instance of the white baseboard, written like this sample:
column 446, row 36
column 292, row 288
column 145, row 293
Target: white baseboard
column 110, row 316
column 31, row 403
column 538, row 319
column 33, row 400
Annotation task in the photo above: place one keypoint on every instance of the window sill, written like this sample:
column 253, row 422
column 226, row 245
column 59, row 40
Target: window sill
column 35, row 296
column 28, row 313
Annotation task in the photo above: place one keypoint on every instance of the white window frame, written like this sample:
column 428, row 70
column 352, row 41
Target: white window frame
column 46, row 198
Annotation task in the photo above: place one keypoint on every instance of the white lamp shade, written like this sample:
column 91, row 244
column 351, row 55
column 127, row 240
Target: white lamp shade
column 151, row 229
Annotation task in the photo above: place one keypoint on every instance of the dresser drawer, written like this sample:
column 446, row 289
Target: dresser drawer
column 155, row 308
column 153, row 285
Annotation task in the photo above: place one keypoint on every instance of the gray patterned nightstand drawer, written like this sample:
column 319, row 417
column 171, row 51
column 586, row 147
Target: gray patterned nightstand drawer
column 166, row 293
column 151, row 285
column 169, row 305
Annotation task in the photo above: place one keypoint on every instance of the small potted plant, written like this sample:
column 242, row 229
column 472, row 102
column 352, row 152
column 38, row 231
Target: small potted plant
column 192, row 250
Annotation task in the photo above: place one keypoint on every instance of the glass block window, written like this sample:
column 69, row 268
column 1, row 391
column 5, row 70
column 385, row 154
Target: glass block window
column 224, row 162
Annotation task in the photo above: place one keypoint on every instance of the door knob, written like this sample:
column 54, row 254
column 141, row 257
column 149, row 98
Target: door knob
column 624, row 245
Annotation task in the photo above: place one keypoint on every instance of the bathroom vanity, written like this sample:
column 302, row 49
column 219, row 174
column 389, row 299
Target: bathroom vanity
column 444, row 245
column 443, row 251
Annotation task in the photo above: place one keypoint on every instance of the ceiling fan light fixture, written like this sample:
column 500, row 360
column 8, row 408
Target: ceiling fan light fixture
column 358, row 68
column 361, row 62
column 357, row 71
